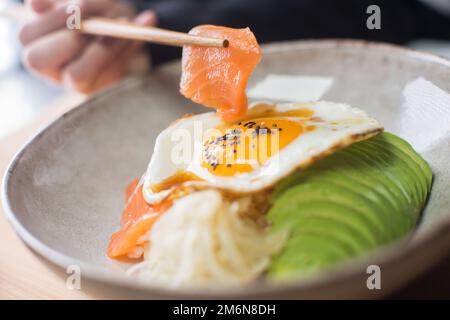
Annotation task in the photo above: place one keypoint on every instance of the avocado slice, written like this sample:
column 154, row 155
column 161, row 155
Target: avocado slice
column 351, row 204
column 305, row 253
column 348, row 204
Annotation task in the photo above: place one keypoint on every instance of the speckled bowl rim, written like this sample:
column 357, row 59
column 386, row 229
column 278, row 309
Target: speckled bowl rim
column 438, row 230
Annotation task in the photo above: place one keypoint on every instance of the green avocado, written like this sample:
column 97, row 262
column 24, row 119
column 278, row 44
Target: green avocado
column 348, row 204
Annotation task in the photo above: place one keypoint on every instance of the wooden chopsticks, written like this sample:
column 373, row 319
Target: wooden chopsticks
column 126, row 30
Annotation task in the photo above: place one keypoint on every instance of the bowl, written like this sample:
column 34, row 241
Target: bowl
column 63, row 191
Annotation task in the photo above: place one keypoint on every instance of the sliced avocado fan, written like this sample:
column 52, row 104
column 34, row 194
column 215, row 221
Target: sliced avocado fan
column 348, row 204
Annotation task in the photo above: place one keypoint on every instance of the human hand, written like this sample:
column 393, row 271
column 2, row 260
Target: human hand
column 80, row 62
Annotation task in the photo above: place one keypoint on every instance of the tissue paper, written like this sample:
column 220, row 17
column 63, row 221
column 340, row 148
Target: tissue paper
column 424, row 114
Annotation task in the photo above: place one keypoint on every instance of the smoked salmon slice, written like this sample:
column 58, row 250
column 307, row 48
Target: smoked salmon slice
column 137, row 219
column 217, row 77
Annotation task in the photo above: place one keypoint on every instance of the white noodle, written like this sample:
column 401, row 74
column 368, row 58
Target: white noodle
column 203, row 239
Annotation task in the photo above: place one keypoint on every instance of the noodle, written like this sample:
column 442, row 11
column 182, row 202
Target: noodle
column 207, row 239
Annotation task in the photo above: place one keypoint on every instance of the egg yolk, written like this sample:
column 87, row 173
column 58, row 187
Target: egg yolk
column 248, row 144
column 174, row 181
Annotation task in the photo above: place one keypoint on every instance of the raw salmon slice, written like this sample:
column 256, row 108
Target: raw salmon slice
column 217, row 77
column 137, row 219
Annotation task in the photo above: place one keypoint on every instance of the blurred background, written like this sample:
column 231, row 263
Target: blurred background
column 23, row 96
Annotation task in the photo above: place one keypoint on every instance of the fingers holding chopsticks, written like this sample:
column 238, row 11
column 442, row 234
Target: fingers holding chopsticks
column 104, row 57
column 80, row 73
column 48, row 55
column 68, row 57
column 52, row 16
column 125, row 59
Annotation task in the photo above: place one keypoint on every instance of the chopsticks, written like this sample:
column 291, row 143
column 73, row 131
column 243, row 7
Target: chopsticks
column 127, row 30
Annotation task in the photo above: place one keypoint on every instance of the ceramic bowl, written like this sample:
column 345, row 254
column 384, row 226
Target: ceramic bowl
column 63, row 192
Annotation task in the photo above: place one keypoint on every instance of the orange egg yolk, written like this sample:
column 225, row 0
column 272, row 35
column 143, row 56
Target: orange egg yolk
column 174, row 181
column 243, row 146
column 248, row 144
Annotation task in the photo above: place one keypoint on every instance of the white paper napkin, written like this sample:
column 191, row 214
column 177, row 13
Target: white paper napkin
column 425, row 115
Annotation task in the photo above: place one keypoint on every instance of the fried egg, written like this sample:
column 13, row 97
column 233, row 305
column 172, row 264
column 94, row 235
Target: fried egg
column 253, row 154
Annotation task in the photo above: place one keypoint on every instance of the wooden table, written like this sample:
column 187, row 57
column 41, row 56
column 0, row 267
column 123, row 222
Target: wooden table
column 25, row 275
